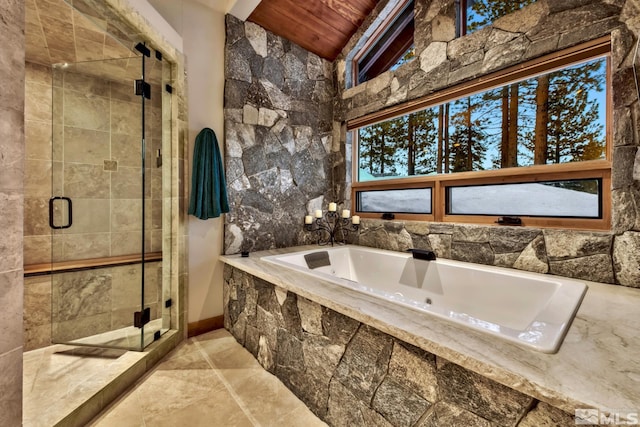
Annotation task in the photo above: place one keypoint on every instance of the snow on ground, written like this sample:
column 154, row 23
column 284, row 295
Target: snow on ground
column 518, row 200
column 415, row 201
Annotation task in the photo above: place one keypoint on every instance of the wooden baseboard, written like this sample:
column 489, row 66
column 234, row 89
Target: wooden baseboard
column 205, row 325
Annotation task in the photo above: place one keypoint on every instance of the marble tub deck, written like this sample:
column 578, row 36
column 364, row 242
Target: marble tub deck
column 597, row 365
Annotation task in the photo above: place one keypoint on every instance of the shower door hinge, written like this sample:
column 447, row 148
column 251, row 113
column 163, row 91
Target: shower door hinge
column 141, row 318
column 143, row 88
column 168, row 303
column 158, row 55
column 140, row 47
column 169, row 88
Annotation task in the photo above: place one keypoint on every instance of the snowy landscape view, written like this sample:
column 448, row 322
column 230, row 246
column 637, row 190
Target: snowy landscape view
column 530, row 199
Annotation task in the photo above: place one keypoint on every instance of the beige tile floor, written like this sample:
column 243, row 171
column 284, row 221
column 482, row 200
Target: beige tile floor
column 59, row 379
column 209, row 380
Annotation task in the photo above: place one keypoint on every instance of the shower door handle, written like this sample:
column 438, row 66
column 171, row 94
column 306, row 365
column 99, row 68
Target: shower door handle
column 69, row 206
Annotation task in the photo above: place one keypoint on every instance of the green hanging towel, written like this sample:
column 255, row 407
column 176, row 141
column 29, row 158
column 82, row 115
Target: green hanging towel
column 208, row 186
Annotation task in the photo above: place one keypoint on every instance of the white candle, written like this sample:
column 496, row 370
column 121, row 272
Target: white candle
column 318, row 213
column 332, row 207
column 308, row 219
column 346, row 213
column 355, row 219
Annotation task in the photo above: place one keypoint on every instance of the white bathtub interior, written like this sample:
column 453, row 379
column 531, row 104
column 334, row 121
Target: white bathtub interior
column 532, row 309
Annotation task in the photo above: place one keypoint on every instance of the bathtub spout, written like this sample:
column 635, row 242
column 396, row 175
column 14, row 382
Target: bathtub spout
column 423, row 254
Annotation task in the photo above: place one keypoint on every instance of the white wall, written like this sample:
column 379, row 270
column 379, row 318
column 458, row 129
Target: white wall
column 152, row 15
column 203, row 40
column 203, row 35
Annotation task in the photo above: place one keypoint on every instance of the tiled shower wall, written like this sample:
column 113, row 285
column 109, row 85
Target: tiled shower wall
column 85, row 303
column 97, row 163
column 97, row 166
column 11, row 210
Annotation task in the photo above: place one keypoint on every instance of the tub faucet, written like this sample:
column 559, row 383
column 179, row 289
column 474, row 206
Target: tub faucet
column 423, row 254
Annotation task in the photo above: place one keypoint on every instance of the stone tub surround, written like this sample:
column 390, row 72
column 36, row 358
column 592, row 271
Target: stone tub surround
column 596, row 256
column 594, row 368
column 282, row 160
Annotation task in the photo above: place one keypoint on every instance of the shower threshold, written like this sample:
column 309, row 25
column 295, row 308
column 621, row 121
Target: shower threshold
column 68, row 385
column 125, row 338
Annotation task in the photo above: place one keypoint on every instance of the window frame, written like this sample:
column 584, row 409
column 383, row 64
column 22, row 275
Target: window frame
column 413, row 184
column 377, row 34
column 600, row 169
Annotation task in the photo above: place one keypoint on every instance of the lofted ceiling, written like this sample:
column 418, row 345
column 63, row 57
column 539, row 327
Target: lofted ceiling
column 56, row 32
column 321, row 26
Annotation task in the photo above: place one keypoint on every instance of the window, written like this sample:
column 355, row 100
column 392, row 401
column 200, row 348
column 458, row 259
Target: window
column 406, row 200
column 537, row 126
column 578, row 198
column 391, row 47
column 473, row 15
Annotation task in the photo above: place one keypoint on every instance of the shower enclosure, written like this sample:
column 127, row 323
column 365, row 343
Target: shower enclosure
column 109, row 212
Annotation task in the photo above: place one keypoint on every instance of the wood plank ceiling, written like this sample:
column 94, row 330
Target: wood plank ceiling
column 321, row 26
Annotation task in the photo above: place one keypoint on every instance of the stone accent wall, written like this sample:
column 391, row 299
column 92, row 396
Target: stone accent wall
column 350, row 374
column 443, row 60
column 12, row 25
column 282, row 158
column 578, row 254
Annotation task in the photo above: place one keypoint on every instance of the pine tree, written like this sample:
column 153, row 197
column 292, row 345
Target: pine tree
column 567, row 123
column 541, row 135
column 484, row 12
column 376, row 148
column 574, row 132
column 468, row 141
column 418, row 147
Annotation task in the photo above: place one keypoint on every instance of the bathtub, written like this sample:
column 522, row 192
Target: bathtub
column 534, row 310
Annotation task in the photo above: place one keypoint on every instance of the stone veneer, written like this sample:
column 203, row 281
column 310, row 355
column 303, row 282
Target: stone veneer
column 443, row 60
column 349, row 373
column 578, row 254
column 12, row 26
column 282, row 158
column 285, row 156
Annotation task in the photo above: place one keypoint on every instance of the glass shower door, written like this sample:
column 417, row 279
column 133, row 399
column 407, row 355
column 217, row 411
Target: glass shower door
column 108, row 287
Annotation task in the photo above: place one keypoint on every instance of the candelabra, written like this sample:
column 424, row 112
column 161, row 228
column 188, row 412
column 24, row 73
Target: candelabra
column 331, row 228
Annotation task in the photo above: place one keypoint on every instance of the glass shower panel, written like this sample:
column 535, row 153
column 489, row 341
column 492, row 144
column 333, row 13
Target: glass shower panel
column 155, row 299
column 167, row 201
column 97, row 212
